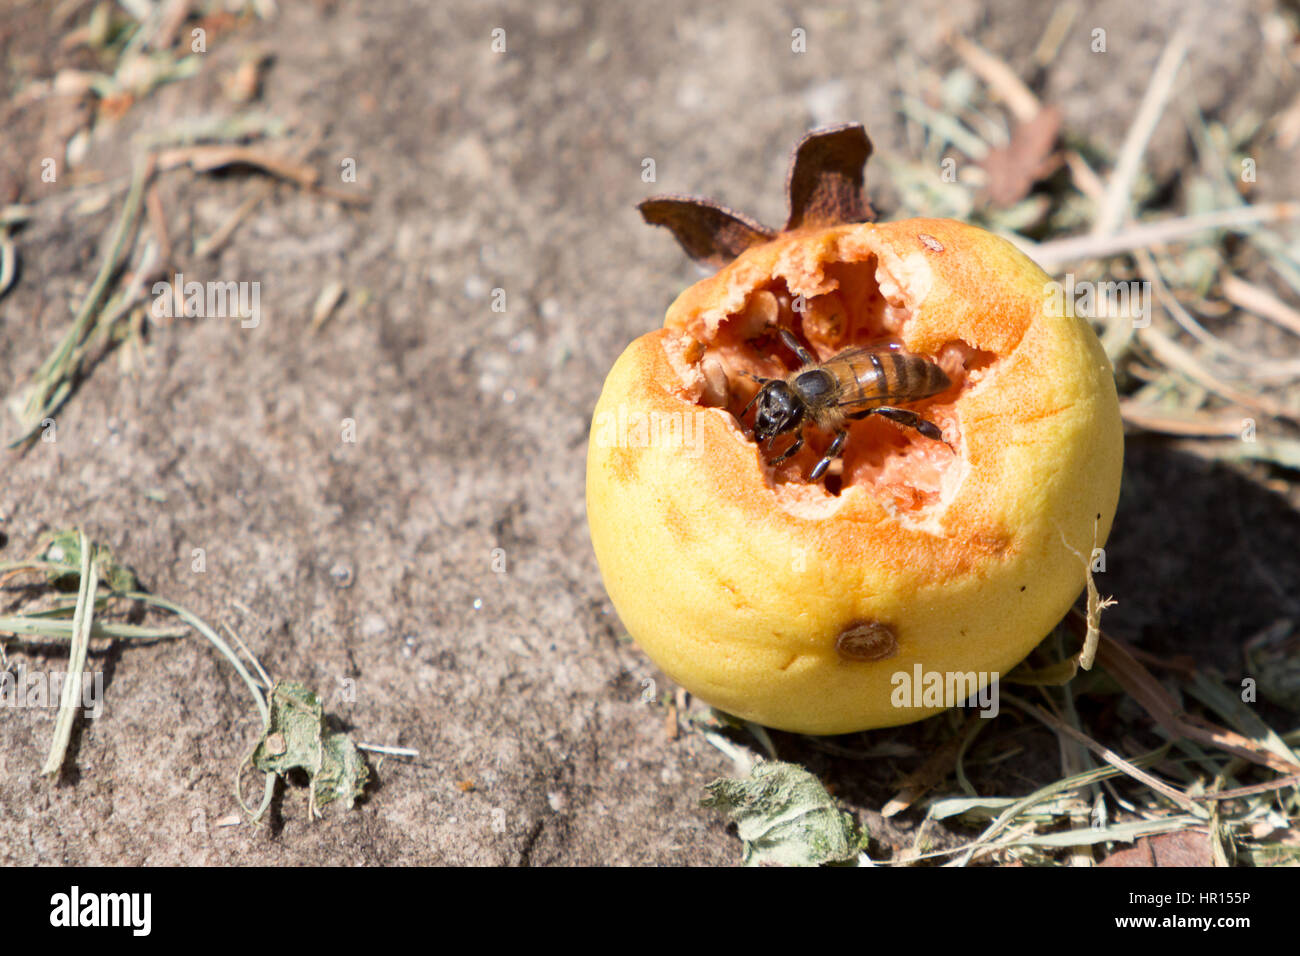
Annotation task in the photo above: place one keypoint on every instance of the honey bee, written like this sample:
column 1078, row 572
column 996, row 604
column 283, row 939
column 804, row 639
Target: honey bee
column 851, row 384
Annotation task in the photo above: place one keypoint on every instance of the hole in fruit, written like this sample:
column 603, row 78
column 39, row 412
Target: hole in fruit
column 895, row 455
column 868, row 641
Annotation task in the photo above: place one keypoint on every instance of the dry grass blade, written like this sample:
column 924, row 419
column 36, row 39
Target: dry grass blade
column 1055, row 253
column 1139, row 683
column 55, row 377
column 1263, row 303
column 984, row 843
column 1236, row 793
column 932, row 772
column 82, row 618
column 1001, row 79
column 1183, row 422
column 8, row 263
column 1178, row 358
column 1112, row 758
column 1260, row 366
column 1115, row 206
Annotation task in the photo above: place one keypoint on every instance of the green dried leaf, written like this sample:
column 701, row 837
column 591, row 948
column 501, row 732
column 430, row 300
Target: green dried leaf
column 298, row 738
column 64, row 548
column 785, row 817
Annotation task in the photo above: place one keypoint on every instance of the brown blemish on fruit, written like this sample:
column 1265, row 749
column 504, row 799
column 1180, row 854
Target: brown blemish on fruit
column 678, row 523
column 867, row 641
column 992, row 544
column 931, row 243
column 738, row 602
column 623, row 464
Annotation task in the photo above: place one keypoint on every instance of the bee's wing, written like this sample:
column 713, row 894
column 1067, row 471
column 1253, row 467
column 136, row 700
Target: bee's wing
column 863, row 372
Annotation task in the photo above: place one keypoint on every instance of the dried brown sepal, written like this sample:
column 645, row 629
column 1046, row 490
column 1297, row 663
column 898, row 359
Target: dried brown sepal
column 824, row 188
column 827, row 176
column 708, row 232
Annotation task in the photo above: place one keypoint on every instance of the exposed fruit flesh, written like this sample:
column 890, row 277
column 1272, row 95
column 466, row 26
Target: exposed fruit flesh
column 903, row 469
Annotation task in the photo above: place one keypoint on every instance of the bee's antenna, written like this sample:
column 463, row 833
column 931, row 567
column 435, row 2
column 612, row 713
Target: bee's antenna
column 755, row 398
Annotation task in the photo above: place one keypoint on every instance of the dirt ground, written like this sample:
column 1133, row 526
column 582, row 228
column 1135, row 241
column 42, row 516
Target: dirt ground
column 377, row 560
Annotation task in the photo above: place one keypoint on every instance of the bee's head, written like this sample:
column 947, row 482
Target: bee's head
column 779, row 410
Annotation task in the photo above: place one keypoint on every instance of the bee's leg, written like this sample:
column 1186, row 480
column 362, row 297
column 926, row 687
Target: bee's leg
column 908, row 419
column 799, row 350
column 792, row 450
column 832, row 453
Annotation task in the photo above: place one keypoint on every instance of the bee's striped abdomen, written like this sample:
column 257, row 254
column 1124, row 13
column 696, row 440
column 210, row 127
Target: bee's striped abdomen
column 885, row 376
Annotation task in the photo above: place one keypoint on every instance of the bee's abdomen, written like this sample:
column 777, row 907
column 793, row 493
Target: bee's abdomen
column 917, row 377
column 893, row 376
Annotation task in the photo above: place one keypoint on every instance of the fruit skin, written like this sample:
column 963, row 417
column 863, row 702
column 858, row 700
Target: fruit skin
column 738, row 589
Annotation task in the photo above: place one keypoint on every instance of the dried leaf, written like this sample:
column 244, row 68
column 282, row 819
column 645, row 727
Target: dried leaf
column 298, row 738
column 785, row 817
column 1184, row 848
column 64, row 548
column 1029, row 157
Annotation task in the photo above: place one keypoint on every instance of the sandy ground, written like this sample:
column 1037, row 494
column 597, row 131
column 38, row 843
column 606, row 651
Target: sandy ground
column 442, row 560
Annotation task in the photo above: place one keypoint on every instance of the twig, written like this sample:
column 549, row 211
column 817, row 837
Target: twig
column 224, row 231
column 260, row 192
column 1115, row 206
column 8, row 260
column 1050, row 255
column 999, row 77
column 392, row 751
column 207, row 158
